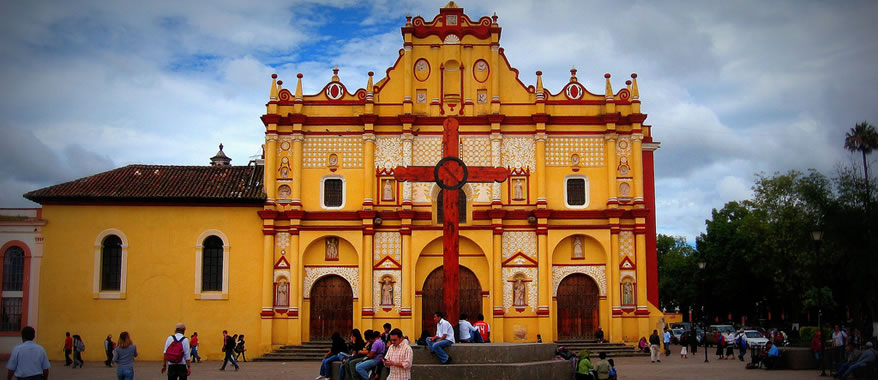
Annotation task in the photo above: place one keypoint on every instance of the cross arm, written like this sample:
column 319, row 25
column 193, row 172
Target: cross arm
column 414, row 173
column 487, row 174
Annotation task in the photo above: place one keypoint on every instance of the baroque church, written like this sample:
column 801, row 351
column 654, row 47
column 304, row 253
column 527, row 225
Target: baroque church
column 319, row 236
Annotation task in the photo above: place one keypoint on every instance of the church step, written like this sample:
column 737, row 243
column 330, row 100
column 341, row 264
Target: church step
column 465, row 353
column 544, row 369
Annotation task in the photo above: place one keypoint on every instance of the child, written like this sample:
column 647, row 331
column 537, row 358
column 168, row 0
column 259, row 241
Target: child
column 612, row 369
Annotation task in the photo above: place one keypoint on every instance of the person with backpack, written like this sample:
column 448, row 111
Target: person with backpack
column 240, row 349
column 176, row 355
column 78, row 349
column 229, row 350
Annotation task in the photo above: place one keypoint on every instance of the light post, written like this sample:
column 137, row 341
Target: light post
column 817, row 236
column 701, row 266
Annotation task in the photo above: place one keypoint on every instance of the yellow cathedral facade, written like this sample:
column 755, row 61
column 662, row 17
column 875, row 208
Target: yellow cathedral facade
column 318, row 236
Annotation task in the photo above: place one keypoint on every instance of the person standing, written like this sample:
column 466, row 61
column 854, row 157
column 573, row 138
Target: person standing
column 108, row 349
column 375, row 356
column 817, row 349
column 399, row 357
column 68, row 349
column 667, row 341
column 684, row 346
column 729, row 338
column 654, row 342
column 28, row 360
column 229, row 350
column 444, row 338
column 741, row 341
column 78, row 349
column 176, row 355
column 839, row 339
column 124, row 355
column 193, row 342
column 720, row 343
column 484, row 329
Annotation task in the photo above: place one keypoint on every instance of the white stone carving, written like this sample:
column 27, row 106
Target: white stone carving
column 317, row 149
column 282, row 240
column 377, row 275
column 388, row 244
column 596, row 272
column 519, row 152
column 422, row 192
column 623, row 146
column 312, row 274
column 426, row 150
column 520, row 241
column 589, row 150
column 388, row 152
column 476, row 151
column 451, row 40
column 532, row 286
column 626, row 244
column 482, row 192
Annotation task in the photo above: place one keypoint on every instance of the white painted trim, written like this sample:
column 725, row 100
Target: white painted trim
column 123, row 276
column 344, row 190
column 587, row 191
column 199, row 253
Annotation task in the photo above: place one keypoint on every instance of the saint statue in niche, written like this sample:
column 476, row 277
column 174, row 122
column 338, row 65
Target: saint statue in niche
column 332, row 248
column 518, row 191
column 283, row 191
column 627, row 293
column 577, row 247
column 387, row 194
column 387, row 291
column 519, row 292
column 282, row 294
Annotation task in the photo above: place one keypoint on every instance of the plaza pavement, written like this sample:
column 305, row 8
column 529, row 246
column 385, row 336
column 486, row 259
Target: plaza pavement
column 671, row 367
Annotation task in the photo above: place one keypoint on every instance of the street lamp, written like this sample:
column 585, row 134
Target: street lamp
column 701, row 266
column 817, row 236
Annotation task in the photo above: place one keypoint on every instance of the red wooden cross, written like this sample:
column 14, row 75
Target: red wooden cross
column 450, row 174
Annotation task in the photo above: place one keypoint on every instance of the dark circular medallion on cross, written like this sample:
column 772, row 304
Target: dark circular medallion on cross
column 450, row 173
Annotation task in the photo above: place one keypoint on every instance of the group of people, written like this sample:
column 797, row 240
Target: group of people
column 364, row 356
column 605, row 369
column 848, row 352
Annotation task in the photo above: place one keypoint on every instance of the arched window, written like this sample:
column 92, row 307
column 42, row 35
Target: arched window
column 212, row 264
column 111, row 263
column 576, row 191
column 461, row 204
column 13, row 286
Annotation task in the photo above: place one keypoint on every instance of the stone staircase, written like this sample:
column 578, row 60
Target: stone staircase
column 502, row 361
column 308, row 351
column 595, row 348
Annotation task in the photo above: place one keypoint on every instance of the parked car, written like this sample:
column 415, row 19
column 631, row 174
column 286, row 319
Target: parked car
column 754, row 338
column 681, row 325
column 676, row 334
column 713, row 329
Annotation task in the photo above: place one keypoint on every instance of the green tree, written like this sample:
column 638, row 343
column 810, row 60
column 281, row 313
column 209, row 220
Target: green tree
column 676, row 269
column 863, row 138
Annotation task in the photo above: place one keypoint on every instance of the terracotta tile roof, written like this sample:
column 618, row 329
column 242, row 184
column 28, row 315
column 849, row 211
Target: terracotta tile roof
column 158, row 183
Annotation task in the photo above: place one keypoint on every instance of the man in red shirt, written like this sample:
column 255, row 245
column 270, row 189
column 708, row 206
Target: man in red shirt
column 484, row 329
column 68, row 348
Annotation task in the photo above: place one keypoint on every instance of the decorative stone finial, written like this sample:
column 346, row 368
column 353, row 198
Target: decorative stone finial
column 220, row 159
column 494, row 17
column 573, row 74
column 299, row 86
column 609, row 92
column 272, row 95
column 335, row 73
column 635, row 93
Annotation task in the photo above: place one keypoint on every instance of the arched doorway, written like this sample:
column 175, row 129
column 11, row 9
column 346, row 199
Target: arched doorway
column 578, row 298
column 432, row 300
column 332, row 308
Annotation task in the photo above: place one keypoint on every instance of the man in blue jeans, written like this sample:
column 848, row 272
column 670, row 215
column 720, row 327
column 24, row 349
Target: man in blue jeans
column 444, row 338
column 375, row 355
column 667, row 342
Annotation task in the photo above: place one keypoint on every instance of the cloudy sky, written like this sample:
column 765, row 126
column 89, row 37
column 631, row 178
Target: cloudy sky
column 732, row 88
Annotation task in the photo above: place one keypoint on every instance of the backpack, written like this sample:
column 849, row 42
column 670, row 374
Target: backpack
column 240, row 346
column 80, row 346
column 174, row 353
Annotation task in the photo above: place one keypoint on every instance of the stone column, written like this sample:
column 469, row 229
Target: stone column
column 612, row 186
column 407, row 141
column 368, row 168
column 267, row 290
column 545, row 280
column 637, row 158
column 366, row 285
column 407, row 276
column 541, row 165
column 496, row 161
column 271, row 167
column 613, row 297
column 497, row 288
column 296, row 196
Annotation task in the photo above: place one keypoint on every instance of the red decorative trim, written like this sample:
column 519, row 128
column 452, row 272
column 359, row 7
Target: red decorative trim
column 641, row 312
column 629, row 262
column 293, row 313
column 419, row 292
column 578, row 265
column 396, row 264
column 465, row 26
column 485, row 292
column 282, row 263
column 429, row 69
column 332, row 266
column 499, row 312
column 542, row 311
column 474, row 71
column 532, row 262
column 617, row 312
column 266, row 313
column 368, row 313
column 405, row 313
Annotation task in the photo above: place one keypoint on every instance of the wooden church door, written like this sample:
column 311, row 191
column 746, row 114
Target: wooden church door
column 578, row 298
column 470, row 297
column 332, row 308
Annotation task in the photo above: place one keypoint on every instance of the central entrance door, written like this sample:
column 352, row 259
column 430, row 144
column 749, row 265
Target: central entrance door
column 431, row 302
column 332, row 308
column 578, row 298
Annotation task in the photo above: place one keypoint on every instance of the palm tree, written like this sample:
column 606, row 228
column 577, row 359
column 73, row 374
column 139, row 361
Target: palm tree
column 864, row 138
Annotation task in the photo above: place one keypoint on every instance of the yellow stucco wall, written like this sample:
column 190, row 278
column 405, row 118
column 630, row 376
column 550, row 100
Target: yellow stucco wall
column 160, row 277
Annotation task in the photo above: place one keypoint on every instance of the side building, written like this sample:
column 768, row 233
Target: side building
column 319, row 236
